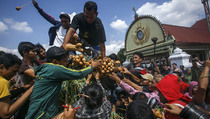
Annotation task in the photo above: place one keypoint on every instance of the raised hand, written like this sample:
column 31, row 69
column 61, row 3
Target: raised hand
column 69, row 113
column 96, row 63
column 35, row 4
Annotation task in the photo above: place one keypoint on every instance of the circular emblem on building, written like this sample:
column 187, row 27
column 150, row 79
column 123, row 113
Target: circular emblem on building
column 140, row 34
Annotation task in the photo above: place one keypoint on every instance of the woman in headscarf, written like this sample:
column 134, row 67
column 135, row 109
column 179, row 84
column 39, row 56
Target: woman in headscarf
column 192, row 89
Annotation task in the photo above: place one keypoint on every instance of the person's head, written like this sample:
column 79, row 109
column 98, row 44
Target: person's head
column 27, row 50
column 194, row 90
column 165, row 66
column 57, row 55
column 137, row 57
column 188, row 71
column 174, row 65
column 9, row 65
column 179, row 74
column 113, row 56
column 95, row 96
column 90, row 11
column 41, row 51
column 65, row 20
column 146, row 78
column 182, row 67
column 139, row 96
column 154, row 81
column 139, row 110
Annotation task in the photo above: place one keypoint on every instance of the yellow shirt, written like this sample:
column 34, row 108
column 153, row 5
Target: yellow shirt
column 4, row 88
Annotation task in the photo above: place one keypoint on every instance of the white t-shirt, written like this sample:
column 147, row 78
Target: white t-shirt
column 61, row 32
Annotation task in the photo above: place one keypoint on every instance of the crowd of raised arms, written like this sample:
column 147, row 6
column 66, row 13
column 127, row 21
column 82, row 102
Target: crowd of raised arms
column 59, row 83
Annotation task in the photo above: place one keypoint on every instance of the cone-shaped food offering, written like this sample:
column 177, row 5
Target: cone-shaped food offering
column 70, row 47
column 18, row 8
column 79, row 45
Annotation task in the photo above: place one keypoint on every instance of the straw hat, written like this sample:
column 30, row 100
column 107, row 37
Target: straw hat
column 147, row 76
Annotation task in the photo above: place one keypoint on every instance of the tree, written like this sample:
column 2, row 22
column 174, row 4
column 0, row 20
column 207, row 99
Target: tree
column 121, row 55
column 1, row 52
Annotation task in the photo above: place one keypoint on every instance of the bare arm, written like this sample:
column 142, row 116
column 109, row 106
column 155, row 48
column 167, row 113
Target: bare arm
column 136, row 79
column 30, row 72
column 156, row 67
column 135, row 86
column 124, row 85
column 103, row 49
column 202, row 84
column 6, row 110
column 89, row 78
column 68, row 36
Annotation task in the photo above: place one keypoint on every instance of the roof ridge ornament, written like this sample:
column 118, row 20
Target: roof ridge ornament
column 136, row 16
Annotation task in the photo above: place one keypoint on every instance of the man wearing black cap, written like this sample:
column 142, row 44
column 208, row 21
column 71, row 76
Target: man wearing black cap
column 58, row 31
column 91, row 29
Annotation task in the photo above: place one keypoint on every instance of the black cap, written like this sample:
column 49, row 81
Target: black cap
column 55, row 52
column 64, row 15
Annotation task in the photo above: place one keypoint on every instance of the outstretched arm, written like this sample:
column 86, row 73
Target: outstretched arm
column 6, row 110
column 136, row 79
column 135, row 86
column 124, row 85
column 45, row 15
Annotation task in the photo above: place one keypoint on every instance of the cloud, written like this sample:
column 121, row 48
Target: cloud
column 9, row 21
column 3, row 27
column 13, row 51
column 114, row 47
column 176, row 12
column 72, row 15
column 19, row 26
column 22, row 26
column 119, row 25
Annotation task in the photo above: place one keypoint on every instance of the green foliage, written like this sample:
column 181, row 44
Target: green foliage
column 121, row 55
column 71, row 88
column 1, row 52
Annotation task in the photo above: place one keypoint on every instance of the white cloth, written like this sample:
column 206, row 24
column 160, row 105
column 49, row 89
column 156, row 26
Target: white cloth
column 61, row 32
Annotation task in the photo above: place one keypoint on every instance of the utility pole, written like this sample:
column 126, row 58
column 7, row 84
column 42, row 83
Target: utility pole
column 207, row 12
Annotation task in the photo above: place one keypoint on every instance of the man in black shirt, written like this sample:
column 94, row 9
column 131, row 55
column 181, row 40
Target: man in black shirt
column 90, row 28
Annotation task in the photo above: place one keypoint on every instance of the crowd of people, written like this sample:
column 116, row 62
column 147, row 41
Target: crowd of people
column 30, row 87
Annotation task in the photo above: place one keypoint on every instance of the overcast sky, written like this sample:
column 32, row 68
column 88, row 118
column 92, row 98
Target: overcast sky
column 116, row 15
